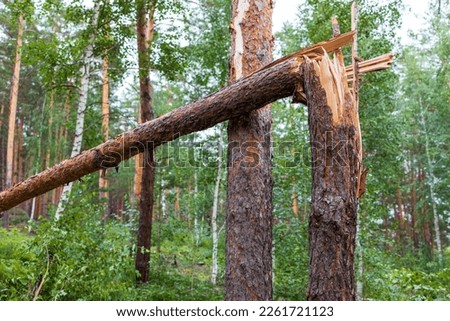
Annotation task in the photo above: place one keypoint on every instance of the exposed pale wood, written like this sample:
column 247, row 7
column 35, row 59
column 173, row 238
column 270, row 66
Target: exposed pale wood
column 371, row 65
column 316, row 50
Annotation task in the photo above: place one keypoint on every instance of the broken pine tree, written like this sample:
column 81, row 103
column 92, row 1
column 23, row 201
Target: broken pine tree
column 278, row 80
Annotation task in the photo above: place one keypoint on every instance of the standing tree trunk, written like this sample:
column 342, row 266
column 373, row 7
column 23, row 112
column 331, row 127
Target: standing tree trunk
column 355, row 88
column 2, row 142
column 431, row 183
column 215, row 235
column 249, row 195
column 144, row 37
column 103, row 180
column 82, row 105
column 338, row 179
column 12, row 113
column 413, row 197
column 295, row 210
column 48, row 196
column 196, row 229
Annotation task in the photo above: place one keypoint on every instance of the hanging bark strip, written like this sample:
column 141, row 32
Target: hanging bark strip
column 277, row 81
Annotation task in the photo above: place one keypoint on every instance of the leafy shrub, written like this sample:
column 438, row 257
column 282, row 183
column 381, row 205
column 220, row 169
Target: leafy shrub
column 17, row 264
column 83, row 258
column 168, row 284
column 291, row 261
column 421, row 286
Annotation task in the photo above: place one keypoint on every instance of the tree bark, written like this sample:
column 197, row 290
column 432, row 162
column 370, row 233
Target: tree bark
column 2, row 146
column 12, row 112
column 249, row 195
column 336, row 161
column 277, row 81
column 103, row 183
column 82, row 104
column 147, row 167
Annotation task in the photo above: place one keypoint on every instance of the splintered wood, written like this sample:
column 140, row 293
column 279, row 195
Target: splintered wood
column 371, row 65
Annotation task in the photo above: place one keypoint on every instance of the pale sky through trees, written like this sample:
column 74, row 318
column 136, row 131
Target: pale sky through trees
column 287, row 10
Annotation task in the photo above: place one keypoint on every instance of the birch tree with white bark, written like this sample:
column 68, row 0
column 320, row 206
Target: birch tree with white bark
column 82, row 105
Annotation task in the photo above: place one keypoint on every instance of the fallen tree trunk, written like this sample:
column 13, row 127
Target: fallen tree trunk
column 276, row 81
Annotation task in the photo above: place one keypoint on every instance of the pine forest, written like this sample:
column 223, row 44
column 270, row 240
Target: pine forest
column 176, row 150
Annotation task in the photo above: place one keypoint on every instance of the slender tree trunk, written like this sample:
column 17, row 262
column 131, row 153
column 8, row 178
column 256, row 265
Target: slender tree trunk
column 196, row 229
column 103, row 179
column 82, row 105
column 16, row 151
column 176, row 203
column 138, row 161
column 12, row 113
column 2, row 147
column 294, row 201
column 413, row 196
column 215, row 235
column 355, row 92
column 336, row 161
column 66, row 118
column 50, row 139
column 431, row 183
column 249, row 195
column 144, row 37
column 20, row 151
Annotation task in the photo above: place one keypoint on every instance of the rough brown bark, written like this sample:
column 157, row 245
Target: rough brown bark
column 335, row 143
column 249, row 195
column 147, row 167
column 265, row 86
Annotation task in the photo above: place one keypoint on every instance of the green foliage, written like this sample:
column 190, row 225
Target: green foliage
column 17, row 265
column 181, row 270
column 291, row 260
column 168, row 284
column 386, row 277
column 86, row 259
